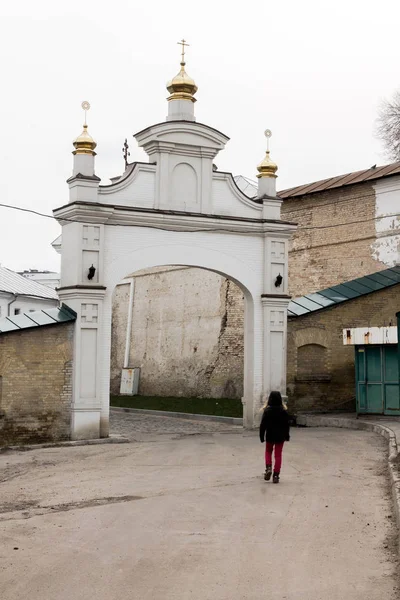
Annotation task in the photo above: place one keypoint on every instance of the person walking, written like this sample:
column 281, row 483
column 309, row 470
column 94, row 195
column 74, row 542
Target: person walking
column 275, row 429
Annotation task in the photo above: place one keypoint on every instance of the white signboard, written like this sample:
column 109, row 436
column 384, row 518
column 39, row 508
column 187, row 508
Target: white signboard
column 360, row 336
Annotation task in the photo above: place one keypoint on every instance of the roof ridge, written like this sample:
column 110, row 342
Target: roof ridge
column 13, row 283
column 375, row 172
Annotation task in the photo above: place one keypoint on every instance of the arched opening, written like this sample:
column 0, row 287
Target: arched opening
column 312, row 362
column 177, row 341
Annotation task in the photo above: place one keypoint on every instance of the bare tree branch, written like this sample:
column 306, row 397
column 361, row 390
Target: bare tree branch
column 388, row 126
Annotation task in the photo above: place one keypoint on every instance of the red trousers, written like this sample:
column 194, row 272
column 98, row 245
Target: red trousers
column 278, row 455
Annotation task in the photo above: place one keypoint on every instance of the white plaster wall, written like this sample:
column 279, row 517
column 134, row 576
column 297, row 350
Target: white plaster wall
column 386, row 247
column 228, row 200
column 137, row 190
column 24, row 304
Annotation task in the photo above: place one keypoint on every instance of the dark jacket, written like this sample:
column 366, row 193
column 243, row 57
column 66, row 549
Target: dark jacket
column 274, row 426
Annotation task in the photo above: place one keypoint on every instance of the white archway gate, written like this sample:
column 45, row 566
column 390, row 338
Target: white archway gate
column 174, row 210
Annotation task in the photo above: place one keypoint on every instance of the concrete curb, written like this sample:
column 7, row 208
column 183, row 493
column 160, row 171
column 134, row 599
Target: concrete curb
column 113, row 439
column 179, row 415
column 386, row 432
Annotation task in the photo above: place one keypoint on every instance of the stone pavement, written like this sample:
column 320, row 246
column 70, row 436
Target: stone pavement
column 135, row 425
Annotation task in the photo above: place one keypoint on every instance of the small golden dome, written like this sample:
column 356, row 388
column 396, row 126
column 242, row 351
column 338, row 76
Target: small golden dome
column 84, row 143
column 267, row 168
column 182, row 87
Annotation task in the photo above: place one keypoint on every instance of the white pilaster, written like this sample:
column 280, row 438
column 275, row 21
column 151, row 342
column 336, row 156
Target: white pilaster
column 275, row 335
column 86, row 401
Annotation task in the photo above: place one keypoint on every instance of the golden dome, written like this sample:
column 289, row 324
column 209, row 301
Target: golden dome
column 267, row 168
column 84, row 143
column 182, row 87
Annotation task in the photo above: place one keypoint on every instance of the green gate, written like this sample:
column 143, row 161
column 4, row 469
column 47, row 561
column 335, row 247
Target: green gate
column 377, row 379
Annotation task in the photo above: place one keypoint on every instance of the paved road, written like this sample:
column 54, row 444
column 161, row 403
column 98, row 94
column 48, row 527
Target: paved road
column 178, row 517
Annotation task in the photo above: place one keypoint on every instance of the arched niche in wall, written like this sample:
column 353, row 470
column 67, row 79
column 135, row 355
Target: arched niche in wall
column 184, row 185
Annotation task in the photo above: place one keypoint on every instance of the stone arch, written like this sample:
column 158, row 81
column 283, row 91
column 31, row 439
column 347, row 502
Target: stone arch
column 195, row 255
column 203, row 257
column 184, row 185
column 189, row 220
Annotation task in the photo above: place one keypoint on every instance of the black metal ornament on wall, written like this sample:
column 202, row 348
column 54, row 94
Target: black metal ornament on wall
column 92, row 271
column 278, row 280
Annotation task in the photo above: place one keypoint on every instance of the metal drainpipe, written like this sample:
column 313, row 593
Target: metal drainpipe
column 129, row 324
column 398, row 343
column 9, row 304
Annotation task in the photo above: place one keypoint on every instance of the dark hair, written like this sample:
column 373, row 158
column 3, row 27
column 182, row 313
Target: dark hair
column 275, row 399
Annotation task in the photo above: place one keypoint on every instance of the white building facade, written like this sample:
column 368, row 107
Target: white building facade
column 175, row 210
column 48, row 278
column 19, row 295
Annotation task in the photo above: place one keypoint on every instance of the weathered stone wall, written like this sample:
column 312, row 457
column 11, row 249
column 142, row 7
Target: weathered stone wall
column 321, row 372
column 36, row 384
column 118, row 334
column 187, row 334
column 331, row 254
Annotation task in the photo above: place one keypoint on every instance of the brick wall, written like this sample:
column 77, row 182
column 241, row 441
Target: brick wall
column 226, row 371
column 36, row 384
column 321, row 372
column 319, row 258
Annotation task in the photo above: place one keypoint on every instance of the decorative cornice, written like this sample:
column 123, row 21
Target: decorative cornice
column 165, row 147
column 277, row 296
column 81, row 287
column 81, row 178
column 94, row 212
column 175, row 126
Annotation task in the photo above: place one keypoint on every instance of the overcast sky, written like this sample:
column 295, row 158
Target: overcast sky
column 313, row 72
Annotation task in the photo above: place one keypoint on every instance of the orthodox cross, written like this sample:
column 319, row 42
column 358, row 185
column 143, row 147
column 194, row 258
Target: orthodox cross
column 85, row 105
column 125, row 152
column 268, row 134
column 183, row 44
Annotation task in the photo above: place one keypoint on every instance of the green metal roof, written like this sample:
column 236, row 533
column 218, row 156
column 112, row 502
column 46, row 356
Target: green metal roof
column 343, row 292
column 38, row 318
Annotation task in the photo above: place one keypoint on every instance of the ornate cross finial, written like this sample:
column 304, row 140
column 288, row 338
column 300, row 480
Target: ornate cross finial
column 183, row 44
column 268, row 134
column 125, row 152
column 85, row 105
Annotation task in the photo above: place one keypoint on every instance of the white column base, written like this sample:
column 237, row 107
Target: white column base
column 85, row 424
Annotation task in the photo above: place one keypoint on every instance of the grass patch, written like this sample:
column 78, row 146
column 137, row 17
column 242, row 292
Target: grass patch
column 223, row 407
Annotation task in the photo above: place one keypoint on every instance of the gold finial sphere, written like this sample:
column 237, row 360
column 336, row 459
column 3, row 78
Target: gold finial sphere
column 84, row 143
column 267, row 167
